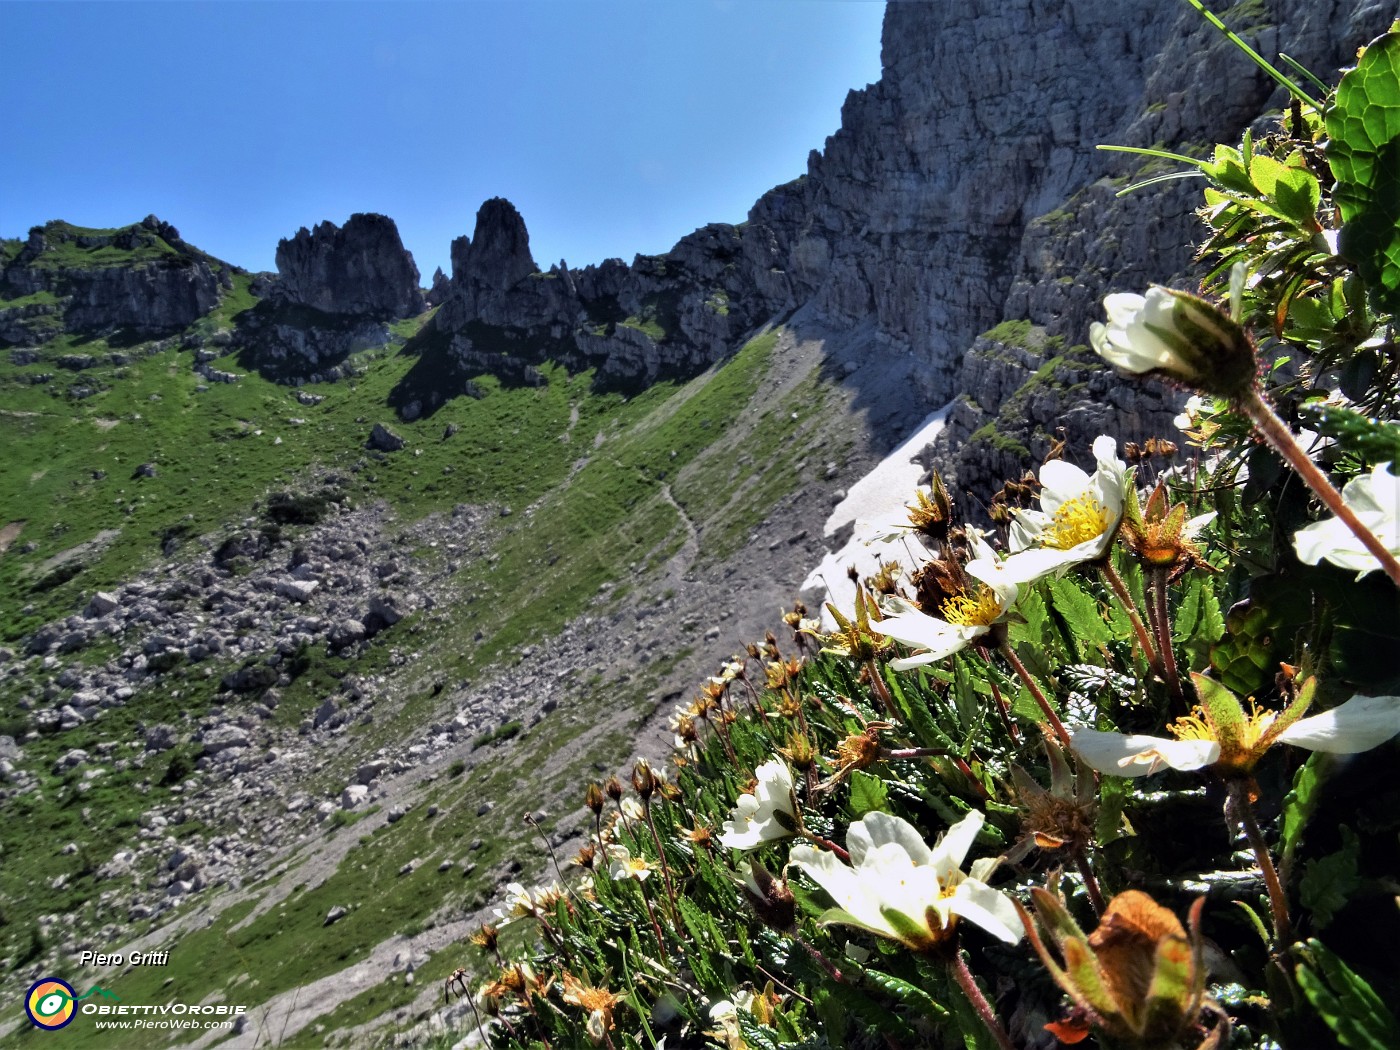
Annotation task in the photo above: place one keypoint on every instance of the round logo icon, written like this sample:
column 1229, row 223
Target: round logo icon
column 50, row 1003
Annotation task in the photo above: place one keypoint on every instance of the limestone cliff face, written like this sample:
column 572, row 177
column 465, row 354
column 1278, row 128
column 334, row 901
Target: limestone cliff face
column 334, row 294
column 962, row 190
column 664, row 315
column 361, row 269
column 142, row 279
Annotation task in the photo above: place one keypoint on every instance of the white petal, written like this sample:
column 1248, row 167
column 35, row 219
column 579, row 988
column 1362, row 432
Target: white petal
column 950, row 850
column 1026, row 527
column 1060, row 482
column 842, row 885
column 916, row 629
column 1138, row 755
column 988, row 908
column 881, row 829
column 1039, row 562
column 1363, row 722
column 1122, row 307
column 1377, row 492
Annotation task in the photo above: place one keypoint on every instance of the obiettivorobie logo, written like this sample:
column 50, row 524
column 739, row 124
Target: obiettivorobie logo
column 52, row 1003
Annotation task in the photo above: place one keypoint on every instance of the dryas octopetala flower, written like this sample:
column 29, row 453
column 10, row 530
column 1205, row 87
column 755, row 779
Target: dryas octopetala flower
column 765, row 814
column 1077, row 520
column 1179, row 336
column 1139, row 978
column 962, row 618
column 1375, row 499
column 1222, row 734
column 897, row 887
column 622, row 865
column 1160, row 536
column 599, row 1002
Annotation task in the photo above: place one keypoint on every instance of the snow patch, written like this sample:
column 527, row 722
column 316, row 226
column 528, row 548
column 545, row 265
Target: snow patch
column 876, row 504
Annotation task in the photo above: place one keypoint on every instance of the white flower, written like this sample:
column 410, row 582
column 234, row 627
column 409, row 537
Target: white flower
column 765, row 815
column 897, row 887
column 1077, row 520
column 1191, row 412
column 1177, row 335
column 1363, row 722
column 1375, row 500
column 965, row 617
column 622, row 865
column 632, row 809
column 1138, row 337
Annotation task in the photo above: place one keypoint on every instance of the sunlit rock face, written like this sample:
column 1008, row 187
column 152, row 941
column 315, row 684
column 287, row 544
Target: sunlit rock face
column 962, row 190
column 140, row 279
column 360, row 269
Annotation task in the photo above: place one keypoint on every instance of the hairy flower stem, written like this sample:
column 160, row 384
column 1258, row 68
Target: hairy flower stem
column 723, row 731
column 1125, row 597
column 1239, row 810
column 530, row 819
column 1161, row 621
column 1003, row 708
column 1279, row 438
column 485, row 1041
column 826, row 844
column 882, row 691
column 1046, row 709
column 665, row 867
column 655, row 926
column 958, row 965
column 820, row 959
column 1091, row 883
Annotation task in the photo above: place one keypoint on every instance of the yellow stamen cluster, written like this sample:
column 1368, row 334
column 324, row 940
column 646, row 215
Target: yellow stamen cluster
column 1076, row 521
column 972, row 610
column 1240, row 745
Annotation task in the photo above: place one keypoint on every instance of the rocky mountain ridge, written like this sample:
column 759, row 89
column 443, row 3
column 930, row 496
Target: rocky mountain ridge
column 951, row 240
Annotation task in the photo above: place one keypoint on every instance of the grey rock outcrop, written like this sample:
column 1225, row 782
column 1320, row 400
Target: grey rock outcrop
column 361, row 269
column 336, row 291
column 142, row 278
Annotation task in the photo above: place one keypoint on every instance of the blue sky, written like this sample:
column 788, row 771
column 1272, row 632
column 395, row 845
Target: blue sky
column 615, row 126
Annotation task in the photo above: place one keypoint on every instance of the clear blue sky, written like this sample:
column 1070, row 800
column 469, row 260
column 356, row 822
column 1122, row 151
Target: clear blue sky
column 615, row 126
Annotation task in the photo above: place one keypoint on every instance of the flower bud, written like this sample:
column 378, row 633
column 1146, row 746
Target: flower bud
column 1178, row 336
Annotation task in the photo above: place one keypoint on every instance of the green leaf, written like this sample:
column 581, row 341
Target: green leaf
column 868, row 794
column 1299, row 803
column 1108, row 824
column 909, row 994
column 1363, row 127
column 1345, row 1001
column 1329, row 882
column 1371, row 439
column 1081, row 613
column 1199, row 623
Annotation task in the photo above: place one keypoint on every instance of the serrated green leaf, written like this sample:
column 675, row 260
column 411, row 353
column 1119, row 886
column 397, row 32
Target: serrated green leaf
column 868, row 794
column 1363, row 127
column 1328, row 882
column 1199, row 622
column 1081, row 614
column 1299, row 803
column 1291, row 192
column 909, row 994
column 1345, row 1002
